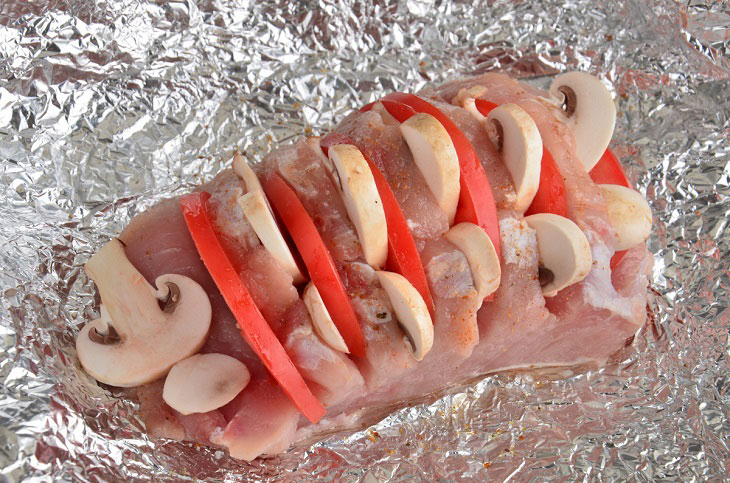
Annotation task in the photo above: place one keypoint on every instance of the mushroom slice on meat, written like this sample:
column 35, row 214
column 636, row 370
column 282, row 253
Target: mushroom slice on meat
column 204, row 382
column 589, row 111
column 411, row 311
column 144, row 331
column 565, row 254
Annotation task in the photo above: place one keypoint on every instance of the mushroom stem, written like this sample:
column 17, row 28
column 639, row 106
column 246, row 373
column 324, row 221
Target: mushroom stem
column 128, row 306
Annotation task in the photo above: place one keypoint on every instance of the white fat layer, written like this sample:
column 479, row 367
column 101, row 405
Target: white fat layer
column 597, row 286
column 450, row 276
column 519, row 243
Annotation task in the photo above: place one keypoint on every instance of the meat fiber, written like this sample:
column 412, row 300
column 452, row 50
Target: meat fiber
column 517, row 330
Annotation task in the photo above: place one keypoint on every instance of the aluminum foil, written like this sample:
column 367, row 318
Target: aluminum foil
column 108, row 107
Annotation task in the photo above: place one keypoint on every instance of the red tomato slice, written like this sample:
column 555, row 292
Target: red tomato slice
column 550, row 196
column 484, row 106
column 608, row 170
column 398, row 110
column 476, row 202
column 403, row 255
column 254, row 328
column 321, row 267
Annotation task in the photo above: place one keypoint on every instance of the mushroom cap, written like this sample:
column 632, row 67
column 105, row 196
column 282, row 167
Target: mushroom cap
column 563, row 250
column 411, row 311
column 629, row 213
column 593, row 115
column 362, row 201
column 322, row 322
column 521, row 150
column 204, row 382
column 479, row 251
column 435, row 155
column 150, row 340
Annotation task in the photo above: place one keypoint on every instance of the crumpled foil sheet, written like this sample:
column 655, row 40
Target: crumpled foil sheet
column 107, row 107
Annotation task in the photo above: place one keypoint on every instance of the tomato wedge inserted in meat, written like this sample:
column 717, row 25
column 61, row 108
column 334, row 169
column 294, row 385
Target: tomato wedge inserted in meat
column 403, row 256
column 476, row 201
column 608, row 170
column 319, row 263
column 254, row 328
column 550, row 196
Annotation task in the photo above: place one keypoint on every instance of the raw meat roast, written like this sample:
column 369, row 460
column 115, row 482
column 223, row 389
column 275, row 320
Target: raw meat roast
column 479, row 227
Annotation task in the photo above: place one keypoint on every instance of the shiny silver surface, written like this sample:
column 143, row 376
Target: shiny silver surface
column 108, row 107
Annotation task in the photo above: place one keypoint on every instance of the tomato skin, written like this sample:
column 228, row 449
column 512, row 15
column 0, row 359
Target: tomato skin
column 608, row 170
column 316, row 257
column 403, row 257
column 550, row 196
column 484, row 107
column 476, row 201
column 254, row 328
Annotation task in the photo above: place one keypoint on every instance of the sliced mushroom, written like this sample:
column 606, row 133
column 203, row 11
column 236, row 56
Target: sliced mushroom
column 435, row 155
column 565, row 254
column 479, row 251
column 147, row 330
column 256, row 209
column 465, row 98
column 520, row 146
column 204, row 382
column 244, row 171
column 590, row 112
column 362, row 201
column 323, row 324
column 629, row 213
column 411, row 311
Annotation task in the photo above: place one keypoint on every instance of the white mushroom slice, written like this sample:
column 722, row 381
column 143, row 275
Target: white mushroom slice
column 629, row 213
column 565, row 254
column 479, row 251
column 520, row 145
column 362, row 201
column 465, row 98
column 138, row 341
column 256, row 210
column 315, row 145
column 436, row 158
column 411, row 311
column 204, row 382
column 244, row 171
column 590, row 113
column 323, row 324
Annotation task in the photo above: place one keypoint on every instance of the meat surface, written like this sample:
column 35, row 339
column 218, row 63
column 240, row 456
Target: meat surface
column 518, row 329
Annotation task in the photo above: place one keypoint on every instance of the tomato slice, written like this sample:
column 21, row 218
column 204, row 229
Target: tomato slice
column 484, row 106
column 476, row 202
column 254, row 328
column 550, row 196
column 608, row 170
column 319, row 263
column 403, row 256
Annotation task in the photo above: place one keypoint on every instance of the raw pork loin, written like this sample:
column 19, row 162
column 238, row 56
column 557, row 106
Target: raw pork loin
column 517, row 328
